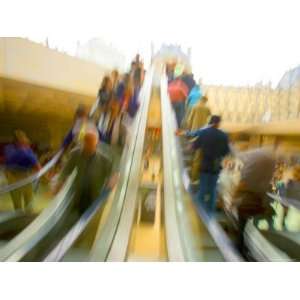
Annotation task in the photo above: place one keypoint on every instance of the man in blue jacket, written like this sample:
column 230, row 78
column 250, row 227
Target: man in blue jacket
column 214, row 146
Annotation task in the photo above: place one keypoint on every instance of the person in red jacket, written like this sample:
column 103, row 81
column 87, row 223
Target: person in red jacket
column 178, row 92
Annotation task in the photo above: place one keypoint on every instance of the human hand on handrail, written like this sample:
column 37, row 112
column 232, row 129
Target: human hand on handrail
column 180, row 132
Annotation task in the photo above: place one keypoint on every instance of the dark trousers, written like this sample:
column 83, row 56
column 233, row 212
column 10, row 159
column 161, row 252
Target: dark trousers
column 207, row 194
column 179, row 109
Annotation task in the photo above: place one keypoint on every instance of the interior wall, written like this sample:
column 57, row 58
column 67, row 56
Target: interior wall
column 45, row 114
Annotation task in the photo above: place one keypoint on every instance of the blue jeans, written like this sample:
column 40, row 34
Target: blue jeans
column 179, row 108
column 207, row 194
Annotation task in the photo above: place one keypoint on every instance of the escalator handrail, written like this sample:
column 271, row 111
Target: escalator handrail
column 224, row 244
column 10, row 187
column 49, row 165
column 119, row 245
column 285, row 201
column 172, row 188
column 27, row 239
column 70, row 238
column 94, row 107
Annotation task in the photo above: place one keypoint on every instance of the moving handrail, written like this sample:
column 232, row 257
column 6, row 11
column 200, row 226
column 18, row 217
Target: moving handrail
column 129, row 188
column 173, row 160
column 172, row 184
column 106, row 233
column 49, row 165
column 19, row 247
column 285, row 201
column 70, row 238
column 25, row 242
column 106, row 236
column 94, row 108
column 10, row 187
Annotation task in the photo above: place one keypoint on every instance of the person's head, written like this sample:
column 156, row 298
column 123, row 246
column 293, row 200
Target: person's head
column 215, row 121
column 20, row 138
column 126, row 79
column 133, row 66
column 114, row 75
column 90, row 142
column 137, row 58
column 81, row 112
column 106, row 83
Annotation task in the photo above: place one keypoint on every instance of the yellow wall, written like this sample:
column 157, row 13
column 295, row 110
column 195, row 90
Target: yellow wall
column 30, row 62
column 41, row 88
column 44, row 113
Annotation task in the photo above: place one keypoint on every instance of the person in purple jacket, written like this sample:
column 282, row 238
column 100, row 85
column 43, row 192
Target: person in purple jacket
column 20, row 162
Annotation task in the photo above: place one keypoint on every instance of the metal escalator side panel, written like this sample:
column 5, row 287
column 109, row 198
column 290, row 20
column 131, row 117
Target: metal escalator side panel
column 129, row 189
column 178, row 226
column 260, row 248
column 69, row 239
column 26, row 240
column 105, row 234
column 174, row 242
column 49, row 165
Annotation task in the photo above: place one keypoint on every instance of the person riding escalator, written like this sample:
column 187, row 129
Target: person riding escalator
column 20, row 162
column 95, row 165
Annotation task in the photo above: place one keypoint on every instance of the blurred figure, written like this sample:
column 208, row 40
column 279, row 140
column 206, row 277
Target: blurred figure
column 291, row 190
column 127, row 92
column 188, row 79
column 137, row 58
column 214, row 146
column 104, row 117
column 198, row 115
column 114, row 77
column 194, row 96
column 105, row 92
column 196, row 122
column 170, row 68
column 250, row 198
column 178, row 92
column 20, row 162
column 80, row 124
column 94, row 165
column 137, row 76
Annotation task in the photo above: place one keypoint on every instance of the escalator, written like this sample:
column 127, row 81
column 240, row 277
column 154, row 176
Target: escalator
column 31, row 235
column 14, row 222
column 217, row 235
column 148, row 216
column 191, row 234
column 91, row 236
column 159, row 221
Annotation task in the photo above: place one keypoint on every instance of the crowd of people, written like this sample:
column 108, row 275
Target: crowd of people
column 213, row 155
column 94, row 136
column 92, row 145
column 117, row 100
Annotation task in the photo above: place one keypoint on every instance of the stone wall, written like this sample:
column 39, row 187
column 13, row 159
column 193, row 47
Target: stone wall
column 254, row 105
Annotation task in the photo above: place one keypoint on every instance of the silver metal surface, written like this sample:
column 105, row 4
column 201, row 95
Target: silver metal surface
column 19, row 246
column 129, row 190
column 172, row 182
